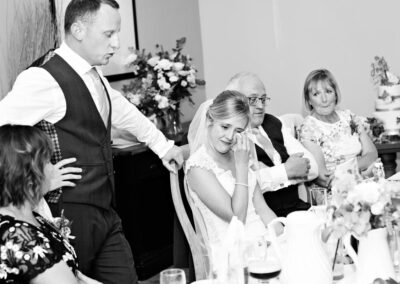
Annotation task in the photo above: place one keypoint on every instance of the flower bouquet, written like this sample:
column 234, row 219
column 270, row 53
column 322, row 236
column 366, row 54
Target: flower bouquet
column 162, row 80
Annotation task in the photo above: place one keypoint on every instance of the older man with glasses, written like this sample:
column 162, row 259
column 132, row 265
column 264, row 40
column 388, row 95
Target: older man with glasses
column 284, row 162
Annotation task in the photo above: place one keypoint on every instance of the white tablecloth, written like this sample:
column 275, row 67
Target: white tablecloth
column 396, row 176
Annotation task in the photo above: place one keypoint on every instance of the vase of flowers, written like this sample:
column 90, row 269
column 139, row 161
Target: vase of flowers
column 162, row 80
column 173, row 121
column 364, row 209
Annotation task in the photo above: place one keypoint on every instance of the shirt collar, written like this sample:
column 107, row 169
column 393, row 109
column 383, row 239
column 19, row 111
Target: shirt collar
column 80, row 65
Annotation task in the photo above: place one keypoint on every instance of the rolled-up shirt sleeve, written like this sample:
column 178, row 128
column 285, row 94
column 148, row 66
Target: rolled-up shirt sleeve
column 126, row 116
column 34, row 96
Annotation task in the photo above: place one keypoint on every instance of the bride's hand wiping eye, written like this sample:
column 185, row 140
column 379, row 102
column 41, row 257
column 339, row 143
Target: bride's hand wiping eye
column 241, row 150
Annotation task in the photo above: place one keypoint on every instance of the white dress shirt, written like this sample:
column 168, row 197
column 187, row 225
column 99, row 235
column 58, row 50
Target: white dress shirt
column 275, row 178
column 36, row 96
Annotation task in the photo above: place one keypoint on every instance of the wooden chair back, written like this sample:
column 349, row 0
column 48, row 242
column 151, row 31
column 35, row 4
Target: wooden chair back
column 196, row 237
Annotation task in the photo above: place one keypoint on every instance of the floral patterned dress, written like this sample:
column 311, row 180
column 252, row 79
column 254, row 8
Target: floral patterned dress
column 27, row 250
column 339, row 141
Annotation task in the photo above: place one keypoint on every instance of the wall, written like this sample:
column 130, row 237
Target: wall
column 283, row 41
column 163, row 22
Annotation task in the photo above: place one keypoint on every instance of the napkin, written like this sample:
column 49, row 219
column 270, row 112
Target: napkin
column 228, row 264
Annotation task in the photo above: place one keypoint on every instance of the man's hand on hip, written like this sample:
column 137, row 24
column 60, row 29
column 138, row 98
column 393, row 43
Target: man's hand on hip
column 297, row 167
column 173, row 155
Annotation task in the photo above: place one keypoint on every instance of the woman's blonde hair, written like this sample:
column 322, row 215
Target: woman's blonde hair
column 319, row 75
column 229, row 104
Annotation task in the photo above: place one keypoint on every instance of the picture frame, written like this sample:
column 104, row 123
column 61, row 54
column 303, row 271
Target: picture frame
column 115, row 69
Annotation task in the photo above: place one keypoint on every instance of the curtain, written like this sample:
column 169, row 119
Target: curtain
column 28, row 30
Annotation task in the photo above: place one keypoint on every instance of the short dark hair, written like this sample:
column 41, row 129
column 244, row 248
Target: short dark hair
column 319, row 75
column 24, row 152
column 78, row 9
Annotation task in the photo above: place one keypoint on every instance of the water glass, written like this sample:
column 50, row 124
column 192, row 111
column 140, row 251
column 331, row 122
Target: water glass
column 256, row 249
column 319, row 196
column 172, row 276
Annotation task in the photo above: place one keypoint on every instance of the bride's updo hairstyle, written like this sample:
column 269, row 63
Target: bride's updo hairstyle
column 229, row 104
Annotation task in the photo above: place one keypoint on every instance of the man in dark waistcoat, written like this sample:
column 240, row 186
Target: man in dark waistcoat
column 69, row 98
column 284, row 162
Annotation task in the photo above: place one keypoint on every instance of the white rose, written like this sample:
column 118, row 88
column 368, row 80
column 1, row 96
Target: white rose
column 368, row 192
column 178, row 66
column 183, row 83
column 378, row 208
column 153, row 61
column 191, row 79
column 135, row 99
column 163, row 103
column 157, row 97
column 163, row 84
column 167, row 86
column 173, row 79
column 130, row 59
column 183, row 73
column 164, row 64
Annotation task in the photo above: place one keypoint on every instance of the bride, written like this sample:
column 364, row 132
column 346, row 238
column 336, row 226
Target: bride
column 221, row 176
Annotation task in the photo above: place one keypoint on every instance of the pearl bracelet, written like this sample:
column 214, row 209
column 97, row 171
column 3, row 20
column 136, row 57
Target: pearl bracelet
column 239, row 183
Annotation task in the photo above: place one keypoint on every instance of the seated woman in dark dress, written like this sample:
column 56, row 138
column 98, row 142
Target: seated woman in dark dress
column 32, row 250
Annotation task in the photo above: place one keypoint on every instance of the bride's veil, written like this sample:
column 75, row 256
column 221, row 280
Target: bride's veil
column 197, row 135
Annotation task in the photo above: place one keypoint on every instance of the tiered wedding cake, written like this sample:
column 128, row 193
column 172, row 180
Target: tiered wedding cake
column 387, row 105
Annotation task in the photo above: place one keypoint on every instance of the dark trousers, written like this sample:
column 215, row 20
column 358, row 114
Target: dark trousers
column 102, row 249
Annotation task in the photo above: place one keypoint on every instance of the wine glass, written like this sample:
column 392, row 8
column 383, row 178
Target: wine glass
column 262, row 271
column 172, row 276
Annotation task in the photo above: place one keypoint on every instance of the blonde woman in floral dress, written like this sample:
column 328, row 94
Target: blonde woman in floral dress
column 333, row 136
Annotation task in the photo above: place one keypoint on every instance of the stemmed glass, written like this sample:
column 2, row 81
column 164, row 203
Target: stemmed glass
column 262, row 271
column 172, row 276
column 261, row 266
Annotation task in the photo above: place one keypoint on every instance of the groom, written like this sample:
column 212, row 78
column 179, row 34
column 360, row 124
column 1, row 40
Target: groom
column 284, row 162
column 78, row 107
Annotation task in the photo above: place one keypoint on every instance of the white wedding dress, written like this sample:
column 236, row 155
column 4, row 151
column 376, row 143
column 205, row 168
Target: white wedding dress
column 216, row 227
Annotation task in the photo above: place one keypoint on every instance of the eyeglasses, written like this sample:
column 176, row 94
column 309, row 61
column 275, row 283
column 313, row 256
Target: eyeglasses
column 253, row 101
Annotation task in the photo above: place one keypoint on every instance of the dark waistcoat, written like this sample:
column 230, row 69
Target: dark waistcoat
column 82, row 134
column 288, row 196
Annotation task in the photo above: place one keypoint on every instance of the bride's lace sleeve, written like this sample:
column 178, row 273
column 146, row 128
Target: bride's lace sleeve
column 200, row 159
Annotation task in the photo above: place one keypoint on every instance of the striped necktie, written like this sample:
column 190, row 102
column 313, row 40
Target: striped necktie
column 101, row 95
column 265, row 143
